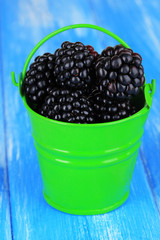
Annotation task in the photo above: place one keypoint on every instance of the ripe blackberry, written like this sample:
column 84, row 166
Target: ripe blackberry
column 119, row 72
column 38, row 80
column 68, row 106
column 107, row 110
column 74, row 66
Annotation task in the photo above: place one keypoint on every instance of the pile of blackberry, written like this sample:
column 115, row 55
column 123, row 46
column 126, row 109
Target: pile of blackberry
column 78, row 85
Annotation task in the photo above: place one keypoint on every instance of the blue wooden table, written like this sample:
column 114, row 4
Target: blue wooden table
column 23, row 212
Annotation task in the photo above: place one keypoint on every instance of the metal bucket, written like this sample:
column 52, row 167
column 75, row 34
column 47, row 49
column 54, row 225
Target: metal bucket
column 87, row 168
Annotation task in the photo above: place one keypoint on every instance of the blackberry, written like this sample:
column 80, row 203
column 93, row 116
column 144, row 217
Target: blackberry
column 68, row 106
column 38, row 80
column 119, row 72
column 107, row 110
column 74, row 66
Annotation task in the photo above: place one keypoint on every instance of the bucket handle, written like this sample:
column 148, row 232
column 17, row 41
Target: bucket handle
column 149, row 90
column 22, row 75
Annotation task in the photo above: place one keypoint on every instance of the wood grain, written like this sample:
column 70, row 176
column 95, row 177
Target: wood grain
column 5, row 214
column 23, row 25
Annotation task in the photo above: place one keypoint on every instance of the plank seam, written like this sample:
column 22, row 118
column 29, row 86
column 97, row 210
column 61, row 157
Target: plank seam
column 5, row 134
column 147, row 173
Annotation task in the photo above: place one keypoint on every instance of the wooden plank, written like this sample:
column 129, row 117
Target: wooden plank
column 5, row 217
column 150, row 149
column 32, row 217
column 138, row 24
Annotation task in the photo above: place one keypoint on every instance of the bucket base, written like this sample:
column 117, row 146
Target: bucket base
column 86, row 212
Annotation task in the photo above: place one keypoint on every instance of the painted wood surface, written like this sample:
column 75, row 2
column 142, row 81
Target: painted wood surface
column 23, row 212
column 5, row 216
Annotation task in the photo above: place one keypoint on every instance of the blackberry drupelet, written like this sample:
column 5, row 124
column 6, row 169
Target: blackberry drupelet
column 39, row 80
column 92, row 51
column 119, row 72
column 74, row 66
column 68, row 106
column 107, row 110
column 111, row 51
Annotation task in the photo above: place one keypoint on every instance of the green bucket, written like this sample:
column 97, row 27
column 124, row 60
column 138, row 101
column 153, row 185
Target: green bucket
column 87, row 168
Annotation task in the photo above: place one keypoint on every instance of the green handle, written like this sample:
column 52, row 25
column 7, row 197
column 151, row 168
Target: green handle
column 55, row 33
column 148, row 87
column 149, row 91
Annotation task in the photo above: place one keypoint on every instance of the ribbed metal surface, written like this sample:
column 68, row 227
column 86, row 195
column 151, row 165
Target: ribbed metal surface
column 89, row 159
column 87, row 169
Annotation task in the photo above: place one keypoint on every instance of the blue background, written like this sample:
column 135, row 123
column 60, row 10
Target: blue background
column 23, row 212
